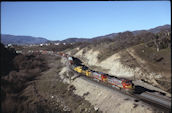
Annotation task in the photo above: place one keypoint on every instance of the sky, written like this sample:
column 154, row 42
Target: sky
column 81, row 19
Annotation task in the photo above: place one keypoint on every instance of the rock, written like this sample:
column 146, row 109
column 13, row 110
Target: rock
column 96, row 108
column 135, row 105
column 86, row 109
column 66, row 108
column 85, row 94
column 159, row 59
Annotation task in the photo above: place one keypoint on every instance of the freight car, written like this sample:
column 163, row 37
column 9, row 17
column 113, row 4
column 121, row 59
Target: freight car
column 63, row 54
column 70, row 59
column 60, row 53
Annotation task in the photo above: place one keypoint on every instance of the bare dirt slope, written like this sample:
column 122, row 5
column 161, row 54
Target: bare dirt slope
column 60, row 94
column 145, row 56
column 104, row 99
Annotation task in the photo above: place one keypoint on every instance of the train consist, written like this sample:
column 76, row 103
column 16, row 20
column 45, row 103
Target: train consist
column 119, row 83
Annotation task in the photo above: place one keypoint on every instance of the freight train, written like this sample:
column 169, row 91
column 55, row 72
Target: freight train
column 119, row 83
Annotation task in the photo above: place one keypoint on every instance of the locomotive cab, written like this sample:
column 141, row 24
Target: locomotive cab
column 86, row 71
column 104, row 77
column 127, row 84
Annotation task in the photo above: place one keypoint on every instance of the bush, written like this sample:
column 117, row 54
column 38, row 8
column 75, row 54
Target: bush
column 26, row 68
column 7, row 55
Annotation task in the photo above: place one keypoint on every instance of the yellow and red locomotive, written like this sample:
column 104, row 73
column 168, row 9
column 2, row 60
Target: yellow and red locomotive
column 119, row 83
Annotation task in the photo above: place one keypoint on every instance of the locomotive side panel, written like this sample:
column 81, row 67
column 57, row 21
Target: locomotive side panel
column 115, row 82
column 78, row 69
column 96, row 75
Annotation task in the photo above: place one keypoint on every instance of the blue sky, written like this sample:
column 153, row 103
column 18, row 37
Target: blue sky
column 61, row 20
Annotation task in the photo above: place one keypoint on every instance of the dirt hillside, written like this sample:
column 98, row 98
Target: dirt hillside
column 148, row 60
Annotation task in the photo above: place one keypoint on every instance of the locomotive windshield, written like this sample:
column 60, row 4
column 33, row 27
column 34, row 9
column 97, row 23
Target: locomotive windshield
column 84, row 68
column 128, row 81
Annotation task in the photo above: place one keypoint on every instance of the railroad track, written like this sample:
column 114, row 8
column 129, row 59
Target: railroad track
column 152, row 99
column 156, row 100
column 149, row 98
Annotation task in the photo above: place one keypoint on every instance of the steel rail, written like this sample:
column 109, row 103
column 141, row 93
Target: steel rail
column 147, row 97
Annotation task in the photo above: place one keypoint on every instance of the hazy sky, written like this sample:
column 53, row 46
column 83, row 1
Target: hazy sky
column 61, row 20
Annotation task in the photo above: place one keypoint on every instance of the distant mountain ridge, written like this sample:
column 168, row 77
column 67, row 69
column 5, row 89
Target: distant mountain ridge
column 159, row 28
column 136, row 32
column 113, row 35
column 21, row 40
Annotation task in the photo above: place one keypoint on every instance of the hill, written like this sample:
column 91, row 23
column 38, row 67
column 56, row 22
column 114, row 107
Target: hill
column 74, row 40
column 145, row 56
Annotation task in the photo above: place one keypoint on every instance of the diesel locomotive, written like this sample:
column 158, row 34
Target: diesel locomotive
column 119, row 83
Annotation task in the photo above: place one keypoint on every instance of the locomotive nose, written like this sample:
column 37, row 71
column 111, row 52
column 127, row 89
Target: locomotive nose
column 128, row 86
